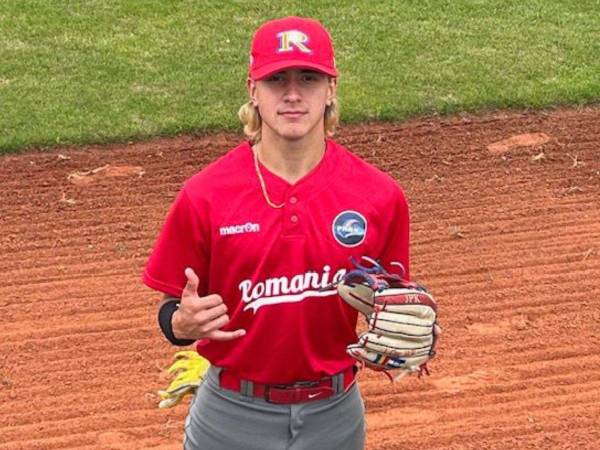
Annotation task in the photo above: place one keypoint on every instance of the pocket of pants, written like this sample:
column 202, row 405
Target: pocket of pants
column 364, row 411
column 188, row 418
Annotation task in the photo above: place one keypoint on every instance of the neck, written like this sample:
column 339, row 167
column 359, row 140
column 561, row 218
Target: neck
column 290, row 160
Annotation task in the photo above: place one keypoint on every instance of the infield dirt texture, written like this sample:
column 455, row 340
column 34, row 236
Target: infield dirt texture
column 506, row 234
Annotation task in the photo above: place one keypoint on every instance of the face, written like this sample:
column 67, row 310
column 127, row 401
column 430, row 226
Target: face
column 292, row 102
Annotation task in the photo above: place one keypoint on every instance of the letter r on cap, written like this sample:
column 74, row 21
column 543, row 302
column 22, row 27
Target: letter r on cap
column 293, row 38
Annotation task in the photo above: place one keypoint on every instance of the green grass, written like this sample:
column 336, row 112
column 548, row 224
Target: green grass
column 74, row 72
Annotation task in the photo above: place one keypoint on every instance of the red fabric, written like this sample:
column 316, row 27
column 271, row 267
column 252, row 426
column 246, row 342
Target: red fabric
column 269, row 265
column 292, row 42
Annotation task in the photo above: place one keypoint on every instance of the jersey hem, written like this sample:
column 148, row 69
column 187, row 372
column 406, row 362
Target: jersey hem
column 276, row 378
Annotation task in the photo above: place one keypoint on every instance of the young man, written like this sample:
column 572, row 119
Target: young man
column 251, row 246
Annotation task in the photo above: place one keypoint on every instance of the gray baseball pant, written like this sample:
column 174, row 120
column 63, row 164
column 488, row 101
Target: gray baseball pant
column 221, row 419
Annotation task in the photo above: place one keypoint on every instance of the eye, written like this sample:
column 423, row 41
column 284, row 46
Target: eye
column 276, row 77
column 309, row 77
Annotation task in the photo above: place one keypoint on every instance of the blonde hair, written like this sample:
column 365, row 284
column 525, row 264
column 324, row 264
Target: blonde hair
column 252, row 121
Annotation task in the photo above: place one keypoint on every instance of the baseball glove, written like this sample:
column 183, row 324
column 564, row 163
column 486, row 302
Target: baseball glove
column 189, row 369
column 401, row 316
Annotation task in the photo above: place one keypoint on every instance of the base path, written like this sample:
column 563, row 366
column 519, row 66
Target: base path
column 506, row 233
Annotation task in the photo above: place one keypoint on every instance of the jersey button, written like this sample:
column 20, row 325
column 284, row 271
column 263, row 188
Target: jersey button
column 294, row 218
column 293, row 200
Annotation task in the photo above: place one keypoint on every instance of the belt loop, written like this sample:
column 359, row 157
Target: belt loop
column 337, row 382
column 247, row 388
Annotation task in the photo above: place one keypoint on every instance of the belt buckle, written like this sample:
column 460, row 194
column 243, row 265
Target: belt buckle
column 305, row 384
column 297, row 384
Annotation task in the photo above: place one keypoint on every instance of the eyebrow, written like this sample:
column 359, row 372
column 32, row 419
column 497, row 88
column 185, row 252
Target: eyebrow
column 301, row 71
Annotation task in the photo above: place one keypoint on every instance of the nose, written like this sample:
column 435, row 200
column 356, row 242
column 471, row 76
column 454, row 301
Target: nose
column 292, row 90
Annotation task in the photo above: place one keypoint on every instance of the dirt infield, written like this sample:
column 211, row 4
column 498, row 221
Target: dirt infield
column 506, row 233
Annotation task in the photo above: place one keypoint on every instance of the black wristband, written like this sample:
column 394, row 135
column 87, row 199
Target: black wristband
column 165, row 314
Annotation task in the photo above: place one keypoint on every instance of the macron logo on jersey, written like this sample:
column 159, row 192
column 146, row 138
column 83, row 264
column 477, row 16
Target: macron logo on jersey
column 248, row 227
column 277, row 290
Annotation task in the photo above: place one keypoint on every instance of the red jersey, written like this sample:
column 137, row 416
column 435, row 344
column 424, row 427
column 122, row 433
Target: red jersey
column 272, row 267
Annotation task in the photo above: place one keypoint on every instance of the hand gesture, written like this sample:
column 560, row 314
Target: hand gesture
column 201, row 317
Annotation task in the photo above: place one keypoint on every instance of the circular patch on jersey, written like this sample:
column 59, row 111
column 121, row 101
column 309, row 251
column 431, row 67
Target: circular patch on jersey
column 349, row 228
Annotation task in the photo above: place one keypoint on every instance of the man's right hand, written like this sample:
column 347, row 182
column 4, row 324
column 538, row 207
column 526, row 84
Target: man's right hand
column 201, row 317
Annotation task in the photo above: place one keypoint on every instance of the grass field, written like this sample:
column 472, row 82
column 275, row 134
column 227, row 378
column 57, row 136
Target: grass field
column 74, row 72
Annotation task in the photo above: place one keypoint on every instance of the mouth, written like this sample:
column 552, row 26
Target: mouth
column 292, row 114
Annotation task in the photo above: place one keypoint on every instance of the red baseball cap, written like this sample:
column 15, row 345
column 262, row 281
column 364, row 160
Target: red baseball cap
column 291, row 43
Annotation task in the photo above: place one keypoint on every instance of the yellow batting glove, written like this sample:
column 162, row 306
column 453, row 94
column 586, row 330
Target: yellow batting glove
column 189, row 369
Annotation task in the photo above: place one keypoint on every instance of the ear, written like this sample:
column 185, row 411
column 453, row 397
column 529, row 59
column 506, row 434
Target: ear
column 331, row 90
column 251, row 87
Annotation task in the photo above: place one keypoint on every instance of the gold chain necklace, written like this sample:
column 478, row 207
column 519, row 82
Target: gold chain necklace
column 262, row 182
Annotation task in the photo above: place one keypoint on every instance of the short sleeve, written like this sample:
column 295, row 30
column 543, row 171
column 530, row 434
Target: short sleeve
column 397, row 237
column 183, row 242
